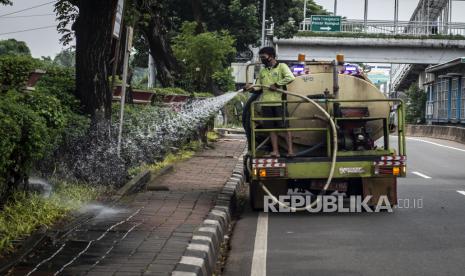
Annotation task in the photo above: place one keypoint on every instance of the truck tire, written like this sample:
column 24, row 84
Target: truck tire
column 255, row 196
column 246, row 168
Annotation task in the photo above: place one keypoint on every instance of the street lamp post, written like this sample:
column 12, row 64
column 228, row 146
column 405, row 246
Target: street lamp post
column 263, row 23
column 365, row 17
column 396, row 15
column 335, row 7
column 305, row 16
column 449, row 15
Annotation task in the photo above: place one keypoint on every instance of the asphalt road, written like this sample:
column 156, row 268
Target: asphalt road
column 410, row 241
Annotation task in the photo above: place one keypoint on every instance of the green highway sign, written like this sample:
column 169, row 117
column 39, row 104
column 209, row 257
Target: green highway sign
column 326, row 23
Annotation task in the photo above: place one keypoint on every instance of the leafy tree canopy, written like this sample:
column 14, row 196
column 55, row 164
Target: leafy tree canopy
column 14, row 47
column 203, row 54
column 416, row 104
column 242, row 18
column 66, row 58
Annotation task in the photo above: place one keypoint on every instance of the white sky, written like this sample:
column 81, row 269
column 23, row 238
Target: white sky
column 45, row 42
column 384, row 9
column 41, row 42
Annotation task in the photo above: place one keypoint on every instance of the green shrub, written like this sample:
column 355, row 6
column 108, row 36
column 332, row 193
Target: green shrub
column 224, row 79
column 12, row 47
column 201, row 55
column 415, row 105
column 14, row 71
column 33, row 125
column 203, row 95
column 185, row 152
column 170, row 91
column 60, row 83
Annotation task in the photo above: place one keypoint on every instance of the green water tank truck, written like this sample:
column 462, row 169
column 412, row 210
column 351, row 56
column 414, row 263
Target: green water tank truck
column 346, row 138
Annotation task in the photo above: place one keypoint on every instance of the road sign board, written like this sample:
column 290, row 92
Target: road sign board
column 326, row 23
column 118, row 19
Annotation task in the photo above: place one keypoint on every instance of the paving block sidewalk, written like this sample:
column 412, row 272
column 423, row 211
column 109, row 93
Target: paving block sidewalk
column 145, row 234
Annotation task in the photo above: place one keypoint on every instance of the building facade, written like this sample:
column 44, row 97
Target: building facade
column 445, row 88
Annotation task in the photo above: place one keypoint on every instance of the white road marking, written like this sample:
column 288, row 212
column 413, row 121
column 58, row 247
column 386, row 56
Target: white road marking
column 436, row 144
column 260, row 247
column 461, row 192
column 422, row 175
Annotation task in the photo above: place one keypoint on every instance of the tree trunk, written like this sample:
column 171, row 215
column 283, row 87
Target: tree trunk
column 197, row 13
column 93, row 30
column 160, row 49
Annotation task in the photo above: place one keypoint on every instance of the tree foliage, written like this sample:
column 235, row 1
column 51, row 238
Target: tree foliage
column 32, row 124
column 203, row 55
column 14, row 71
column 416, row 104
column 66, row 58
column 241, row 18
column 14, row 47
column 287, row 23
column 157, row 23
column 67, row 13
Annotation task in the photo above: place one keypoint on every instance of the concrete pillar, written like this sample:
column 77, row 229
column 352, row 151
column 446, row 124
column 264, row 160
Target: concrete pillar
column 305, row 16
column 427, row 18
column 365, row 16
column 263, row 23
column 449, row 15
column 449, row 98
column 440, row 24
column 396, row 15
column 458, row 99
column 446, row 18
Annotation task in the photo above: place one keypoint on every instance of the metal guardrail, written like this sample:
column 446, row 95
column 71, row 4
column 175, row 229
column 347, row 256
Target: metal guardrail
column 393, row 28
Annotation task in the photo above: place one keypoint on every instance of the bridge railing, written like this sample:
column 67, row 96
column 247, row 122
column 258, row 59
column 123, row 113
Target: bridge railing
column 394, row 28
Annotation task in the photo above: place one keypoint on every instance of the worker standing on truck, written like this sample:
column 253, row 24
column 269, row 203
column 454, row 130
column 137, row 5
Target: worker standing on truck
column 275, row 75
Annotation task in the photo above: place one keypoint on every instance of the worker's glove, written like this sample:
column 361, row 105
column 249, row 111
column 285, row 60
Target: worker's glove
column 273, row 87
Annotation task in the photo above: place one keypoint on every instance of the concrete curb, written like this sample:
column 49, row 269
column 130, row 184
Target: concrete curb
column 203, row 251
column 133, row 185
column 452, row 133
column 160, row 173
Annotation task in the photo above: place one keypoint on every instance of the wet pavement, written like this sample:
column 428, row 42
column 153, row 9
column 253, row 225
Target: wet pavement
column 147, row 233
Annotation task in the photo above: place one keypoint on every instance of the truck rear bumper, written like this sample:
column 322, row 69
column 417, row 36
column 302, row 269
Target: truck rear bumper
column 319, row 168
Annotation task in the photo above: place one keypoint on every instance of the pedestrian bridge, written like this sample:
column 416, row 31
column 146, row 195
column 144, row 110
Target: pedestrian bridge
column 373, row 50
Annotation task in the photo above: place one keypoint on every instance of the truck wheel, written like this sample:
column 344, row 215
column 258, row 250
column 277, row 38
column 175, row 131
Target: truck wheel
column 246, row 169
column 255, row 196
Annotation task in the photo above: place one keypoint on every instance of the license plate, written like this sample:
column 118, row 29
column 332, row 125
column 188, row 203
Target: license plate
column 341, row 187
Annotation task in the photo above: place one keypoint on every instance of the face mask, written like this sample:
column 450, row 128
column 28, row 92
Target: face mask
column 265, row 61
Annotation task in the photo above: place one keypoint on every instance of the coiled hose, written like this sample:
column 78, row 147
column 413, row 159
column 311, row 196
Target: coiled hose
column 333, row 159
